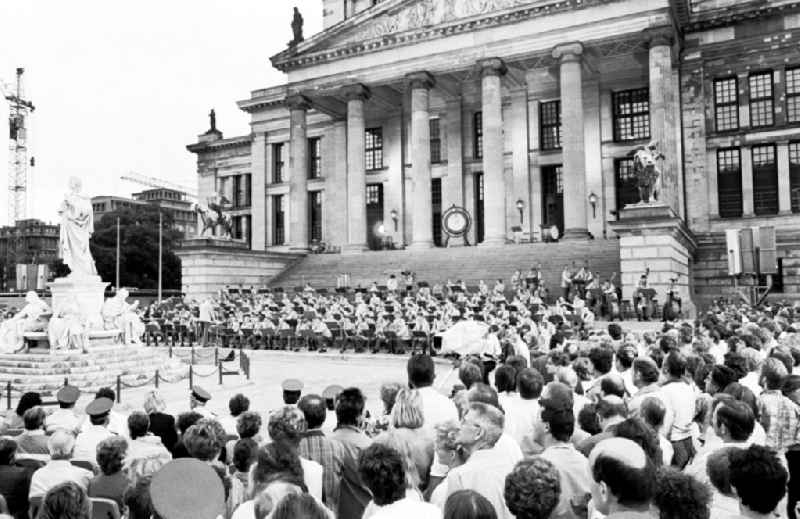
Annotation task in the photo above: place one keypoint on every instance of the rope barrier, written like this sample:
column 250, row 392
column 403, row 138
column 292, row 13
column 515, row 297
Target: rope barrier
column 146, row 382
column 206, row 375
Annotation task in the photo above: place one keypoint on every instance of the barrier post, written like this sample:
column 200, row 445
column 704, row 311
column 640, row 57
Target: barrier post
column 216, row 355
column 156, row 379
column 192, row 360
column 219, row 366
column 247, row 367
column 119, row 388
column 191, row 376
column 170, row 351
column 8, row 395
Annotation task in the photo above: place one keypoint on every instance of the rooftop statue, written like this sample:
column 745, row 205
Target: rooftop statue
column 297, row 27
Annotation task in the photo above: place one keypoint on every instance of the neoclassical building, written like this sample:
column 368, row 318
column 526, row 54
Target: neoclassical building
column 525, row 113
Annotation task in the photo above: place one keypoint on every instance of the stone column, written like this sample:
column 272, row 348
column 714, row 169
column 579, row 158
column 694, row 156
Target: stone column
column 298, row 172
column 356, row 173
column 572, row 141
column 784, row 180
column 258, row 195
column 420, row 84
column 494, row 203
column 662, row 112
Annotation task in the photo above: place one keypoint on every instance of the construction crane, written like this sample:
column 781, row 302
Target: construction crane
column 20, row 110
column 137, row 178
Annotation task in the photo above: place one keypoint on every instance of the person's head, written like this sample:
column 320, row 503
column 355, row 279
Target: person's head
column 610, row 410
column 137, row 499
column 238, row 404
column 277, row 460
column 407, row 410
column 110, row 454
column 469, row 374
column 557, row 417
column 27, row 401
column 636, row 430
column 349, row 407
column 625, row 356
column 652, row 410
column 201, row 441
column 313, row 408
column 267, row 497
column 719, row 378
column 287, row 424
column 481, row 427
column 383, row 471
column 622, row 476
column 674, row 365
column 138, row 424
column 602, row 359
column 248, row 424
column 588, row 420
column 468, row 504
column 244, row 454
column 60, row 444
column 106, row 392
column 66, row 501
column 645, row 372
column 420, row 370
column 532, row 489
column 773, row 374
column 733, row 420
column 447, row 450
column 298, row 506
column 758, row 478
column 679, row 495
column 612, row 384
column 483, row 393
column 529, row 383
column 615, row 331
column 388, row 393
column 8, row 451
column 154, row 403
column 718, row 467
column 504, row 379
column 34, row 418
column 186, row 420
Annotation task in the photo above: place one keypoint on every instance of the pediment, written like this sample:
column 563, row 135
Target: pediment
column 397, row 22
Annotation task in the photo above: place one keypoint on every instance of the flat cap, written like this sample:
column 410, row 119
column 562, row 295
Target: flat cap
column 332, row 391
column 187, row 488
column 292, row 384
column 200, row 394
column 99, row 406
column 68, row 394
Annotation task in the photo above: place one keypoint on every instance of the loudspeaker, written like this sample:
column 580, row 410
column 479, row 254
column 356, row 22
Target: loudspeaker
column 734, row 252
column 748, row 251
column 768, row 253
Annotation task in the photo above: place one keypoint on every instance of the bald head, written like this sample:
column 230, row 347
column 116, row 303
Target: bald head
column 623, row 476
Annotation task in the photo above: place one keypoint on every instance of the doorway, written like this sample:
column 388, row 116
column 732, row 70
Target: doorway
column 553, row 198
column 375, row 231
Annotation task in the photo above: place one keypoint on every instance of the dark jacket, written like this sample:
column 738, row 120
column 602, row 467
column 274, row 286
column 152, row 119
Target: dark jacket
column 15, row 482
column 163, row 426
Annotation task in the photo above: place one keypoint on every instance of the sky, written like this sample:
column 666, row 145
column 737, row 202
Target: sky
column 125, row 86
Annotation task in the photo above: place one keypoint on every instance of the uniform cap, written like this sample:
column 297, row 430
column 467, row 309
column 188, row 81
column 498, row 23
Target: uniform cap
column 200, row 394
column 187, row 488
column 68, row 394
column 331, row 392
column 99, row 406
column 292, row 384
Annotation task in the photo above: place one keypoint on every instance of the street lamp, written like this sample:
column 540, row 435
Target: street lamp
column 593, row 202
column 393, row 214
column 520, row 207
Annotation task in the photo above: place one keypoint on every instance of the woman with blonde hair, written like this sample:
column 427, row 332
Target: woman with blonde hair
column 407, row 435
column 161, row 423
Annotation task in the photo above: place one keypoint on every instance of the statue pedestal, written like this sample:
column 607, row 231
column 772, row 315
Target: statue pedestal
column 653, row 236
column 85, row 293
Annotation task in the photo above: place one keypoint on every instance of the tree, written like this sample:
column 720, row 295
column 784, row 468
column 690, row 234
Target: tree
column 138, row 248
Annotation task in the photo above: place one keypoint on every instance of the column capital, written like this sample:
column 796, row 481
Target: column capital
column 568, row 52
column 492, row 67
column 421, row 79
column 659, row 36
column 298, row 102
column 356, row 92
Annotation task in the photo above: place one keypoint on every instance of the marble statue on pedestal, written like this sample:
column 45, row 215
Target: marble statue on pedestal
column 77, row 226
column 67, row 329
column 647, row 172
column 32, row 318
column 119, row 315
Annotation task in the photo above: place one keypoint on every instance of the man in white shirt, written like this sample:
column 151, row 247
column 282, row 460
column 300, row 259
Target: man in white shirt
column 64, row 417
column 59, row 470
column 117, row 422
column 97, row 430
column 679, row 399
column 436, row 407
column 205, row 318
column 197, row 402
column 522, row 413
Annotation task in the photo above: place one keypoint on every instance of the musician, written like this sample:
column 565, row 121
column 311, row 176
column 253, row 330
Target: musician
column 641, row 299
column 566, row 282
column 672, row 307
column 515, row 279
column 206, row 317
column 483, row 289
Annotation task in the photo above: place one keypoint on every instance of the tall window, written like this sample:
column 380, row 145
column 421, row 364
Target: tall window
column 729, row 182
column 242, row 190
column 726, row 104
column 278, row 233
column 631, row 114
column 794, row 175
column 241, row 227
column 477, row 135
column 436, row 210
column 550, row 125
column 625, row 183
column 793, row 95
column 277, row 163
column 314, row 157
column 436, row 141
column 761, row 105
column 765, row 180
column 315, row 215
column 373, row 148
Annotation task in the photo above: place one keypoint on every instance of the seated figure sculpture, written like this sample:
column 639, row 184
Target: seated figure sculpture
column 118, row 314
column 67, row 329
column 32, row 318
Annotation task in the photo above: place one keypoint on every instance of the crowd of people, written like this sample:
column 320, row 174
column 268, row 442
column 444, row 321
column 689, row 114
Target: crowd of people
column 698, row 420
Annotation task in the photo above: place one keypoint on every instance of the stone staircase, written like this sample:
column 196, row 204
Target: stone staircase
column 45, row 372
column 469, row 264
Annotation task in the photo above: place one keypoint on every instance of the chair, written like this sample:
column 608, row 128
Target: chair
column 104, row 508
column 34, row 504
column 84, row 464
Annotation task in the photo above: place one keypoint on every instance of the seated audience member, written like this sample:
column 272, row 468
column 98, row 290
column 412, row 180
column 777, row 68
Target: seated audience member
column 112, row 482
column 468, row 504
column 237, row 405
column 622, row 479
column 137, row 500
column 188, row 488
column 161, row 423
column 95, row 430
column 679, row 495
column 15, row 419
column 286, row 426
column 144, row 444
column 32, row 443
column 383, row 471
column 66, row 500
column 533, row 489
column 185, row 420
column 15, row 481
column 59, row 469
column 758, row 479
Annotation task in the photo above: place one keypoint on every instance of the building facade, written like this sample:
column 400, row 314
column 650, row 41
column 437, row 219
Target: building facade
column 172, row 201
column 526, row 114
column 26, row 251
